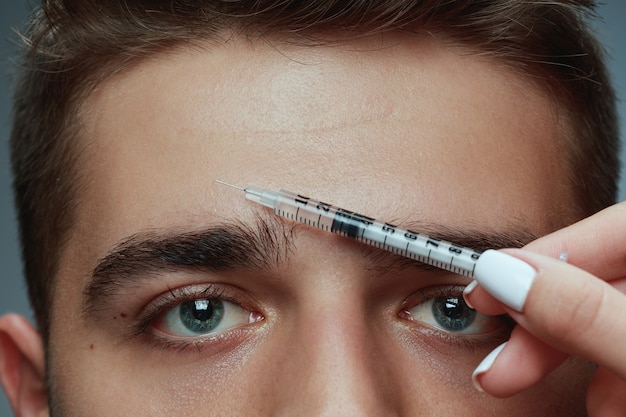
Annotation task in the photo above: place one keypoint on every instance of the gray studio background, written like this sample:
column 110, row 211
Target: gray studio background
column 12, row 15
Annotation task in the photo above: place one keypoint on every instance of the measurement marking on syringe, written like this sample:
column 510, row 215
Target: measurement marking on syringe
column 365, row 229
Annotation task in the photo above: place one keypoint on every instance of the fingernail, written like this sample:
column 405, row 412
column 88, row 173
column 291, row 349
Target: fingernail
column 486, row 365
column 468, row 290
column 505, row 277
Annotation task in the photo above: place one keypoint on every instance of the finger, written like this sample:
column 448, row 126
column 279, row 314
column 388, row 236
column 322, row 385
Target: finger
column 559, row 304
column 479, row 299
column 595, row 244
column 585, row 244
column 606, row 395
column 524, row 361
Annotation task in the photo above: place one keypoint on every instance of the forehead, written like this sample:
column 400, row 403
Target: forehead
column 398, row 129
column 394, row 128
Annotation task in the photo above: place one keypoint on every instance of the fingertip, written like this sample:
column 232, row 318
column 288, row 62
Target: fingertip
column 506, row 277
column 516, row 365
column 467, row 291
column 485, row 366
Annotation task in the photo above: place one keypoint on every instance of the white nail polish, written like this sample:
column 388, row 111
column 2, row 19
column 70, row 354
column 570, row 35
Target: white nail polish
column 468, row 290
column 505, row 277
column 486, row 365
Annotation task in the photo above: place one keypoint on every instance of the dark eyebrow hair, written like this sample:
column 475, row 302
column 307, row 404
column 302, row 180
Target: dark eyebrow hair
column 258, row 245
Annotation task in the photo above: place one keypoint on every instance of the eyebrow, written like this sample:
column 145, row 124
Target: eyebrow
column 259, row 245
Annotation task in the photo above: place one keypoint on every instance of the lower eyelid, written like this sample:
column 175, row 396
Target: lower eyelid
column 472, row 343
column 442, row 340
column 212, row 344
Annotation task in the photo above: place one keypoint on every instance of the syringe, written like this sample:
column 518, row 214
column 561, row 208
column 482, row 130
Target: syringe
column 404, row 242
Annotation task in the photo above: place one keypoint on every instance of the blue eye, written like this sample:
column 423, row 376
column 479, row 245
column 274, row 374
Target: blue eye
column 450, row 313
column 203, row 316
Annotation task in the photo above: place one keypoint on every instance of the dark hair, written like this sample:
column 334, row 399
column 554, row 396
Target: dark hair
column 72, row 45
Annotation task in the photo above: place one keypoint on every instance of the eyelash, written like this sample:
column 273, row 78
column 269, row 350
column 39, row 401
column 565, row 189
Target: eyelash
column 178, row 296
column 173, row 298
column 467, row 341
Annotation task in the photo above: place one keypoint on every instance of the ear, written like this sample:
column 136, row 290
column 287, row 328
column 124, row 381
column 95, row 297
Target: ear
column 22, row 366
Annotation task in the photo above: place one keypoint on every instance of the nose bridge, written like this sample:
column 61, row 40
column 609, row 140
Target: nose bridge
column 336, row 365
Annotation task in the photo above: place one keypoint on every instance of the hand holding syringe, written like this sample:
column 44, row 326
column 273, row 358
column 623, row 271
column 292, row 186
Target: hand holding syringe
column 417, row 246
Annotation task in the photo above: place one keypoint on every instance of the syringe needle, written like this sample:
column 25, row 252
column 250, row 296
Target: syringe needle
column 256, row 194
column 230, row 185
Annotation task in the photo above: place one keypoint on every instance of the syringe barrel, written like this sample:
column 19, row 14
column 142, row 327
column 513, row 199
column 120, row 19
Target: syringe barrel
column 407, row 243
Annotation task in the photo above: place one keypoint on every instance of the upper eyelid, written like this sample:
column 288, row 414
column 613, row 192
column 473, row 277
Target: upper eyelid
column 143, row 292
column 431, row 292
column 176, row 296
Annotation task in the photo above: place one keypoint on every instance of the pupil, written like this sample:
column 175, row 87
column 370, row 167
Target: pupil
column 452, row 313
column 202, row 310
column 452, row 308
column 202, row 316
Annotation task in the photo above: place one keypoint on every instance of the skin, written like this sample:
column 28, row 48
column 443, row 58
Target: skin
column 405, row 130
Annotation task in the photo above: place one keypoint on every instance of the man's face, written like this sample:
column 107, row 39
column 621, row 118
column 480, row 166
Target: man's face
column 176, row 296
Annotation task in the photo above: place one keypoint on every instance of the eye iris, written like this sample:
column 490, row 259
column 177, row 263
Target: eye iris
column 452, row 313
column 201, row 316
